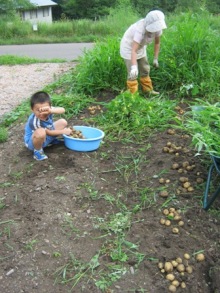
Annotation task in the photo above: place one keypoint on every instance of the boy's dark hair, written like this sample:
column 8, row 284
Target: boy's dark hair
column 40, row 98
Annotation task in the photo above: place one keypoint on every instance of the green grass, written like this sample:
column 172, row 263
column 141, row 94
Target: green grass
column 16, row 60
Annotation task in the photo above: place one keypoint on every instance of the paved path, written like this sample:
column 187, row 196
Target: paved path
column 67, row 51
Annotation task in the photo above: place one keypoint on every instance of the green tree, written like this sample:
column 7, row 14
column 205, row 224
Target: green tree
column 92, row 9
column 9, row 7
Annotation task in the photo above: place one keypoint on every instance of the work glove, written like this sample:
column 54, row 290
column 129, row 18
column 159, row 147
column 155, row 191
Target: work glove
column 155, row 63
column 134, row 72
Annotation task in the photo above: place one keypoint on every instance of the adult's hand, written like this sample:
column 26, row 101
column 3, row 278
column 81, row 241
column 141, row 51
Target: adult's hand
column 134, row 72
column 155, row 63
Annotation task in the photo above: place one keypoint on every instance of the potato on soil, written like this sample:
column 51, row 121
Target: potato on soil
column 171, row 131
column 175, row 231
column 175, row 283
column 160, row 265
column 185, row 164
column 186, row 185
column 186, row 256
column 181, row 223
column 165, row 212
column 183, row 285
column 180, row 268
column 190, row 189
column 163, row 193
column 172, row 288
column 170, row 277
column 183, row 179
column 167, row 223
column 200, row 257
column 174, row 263
column 175, row 166
column 168, row 267
column 162, row 221
column 189, row 269
column 162, row 180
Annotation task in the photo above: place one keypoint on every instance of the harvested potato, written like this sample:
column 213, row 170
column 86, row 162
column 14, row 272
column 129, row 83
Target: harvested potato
column 168, row 267
column 180, row 268
column 167, row 181
column 175, row 231
column 162, row 221
column 172, row 288
column 171, row 131
column 185, row 164
column 181, row 223
column 174, row 263
column 177, row 217
column 200, row 257
column 163, row 193
column 183, row 285
column 186, row 185
column 189, row 269
column 160, row 265
column 165, row 212
column 169, row 143
column 190, row 189
column 166, row 149
column 170, row 277
column 162, row 180
column 175, row 283
column 167, row 223
column 183, row 179
column 172, row 210
column 179, row 260
column 186, row 256
column 175, row 166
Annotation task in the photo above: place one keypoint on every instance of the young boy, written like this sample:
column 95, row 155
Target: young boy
column 40, row 129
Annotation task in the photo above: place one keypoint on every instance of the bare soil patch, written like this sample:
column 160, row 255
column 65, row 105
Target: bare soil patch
column 18, row 82
column 38, row 197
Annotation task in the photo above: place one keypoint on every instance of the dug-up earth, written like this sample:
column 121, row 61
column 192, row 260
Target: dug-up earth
column 57, row 232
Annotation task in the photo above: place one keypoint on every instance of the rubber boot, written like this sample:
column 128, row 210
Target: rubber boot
column 132, row 86
column 147, row 86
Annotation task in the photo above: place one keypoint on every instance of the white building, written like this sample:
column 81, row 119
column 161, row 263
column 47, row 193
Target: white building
column 42, row 12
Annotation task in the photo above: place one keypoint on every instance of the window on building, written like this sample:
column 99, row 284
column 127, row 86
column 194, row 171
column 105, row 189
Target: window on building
column 45, row 11
column 33, row 14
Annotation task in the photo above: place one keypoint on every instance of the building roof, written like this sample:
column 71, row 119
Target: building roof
column 43, row 2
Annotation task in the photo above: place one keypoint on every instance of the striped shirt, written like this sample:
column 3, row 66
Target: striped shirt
column 34, row 123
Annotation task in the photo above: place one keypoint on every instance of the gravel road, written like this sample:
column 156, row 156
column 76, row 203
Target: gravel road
column 19, row 82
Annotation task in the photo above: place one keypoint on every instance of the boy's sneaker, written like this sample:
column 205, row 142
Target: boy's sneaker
column 39, row 155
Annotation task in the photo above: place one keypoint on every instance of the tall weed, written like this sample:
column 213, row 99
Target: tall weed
column 189, row 56
column 100, row 69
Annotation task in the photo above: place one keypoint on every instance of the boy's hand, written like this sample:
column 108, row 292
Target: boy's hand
column 45, row 110
column 67, row 131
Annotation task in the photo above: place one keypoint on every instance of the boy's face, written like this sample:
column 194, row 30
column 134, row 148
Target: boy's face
column 42, row 110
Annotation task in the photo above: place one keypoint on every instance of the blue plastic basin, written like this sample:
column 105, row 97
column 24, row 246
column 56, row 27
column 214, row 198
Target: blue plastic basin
column 93, row 137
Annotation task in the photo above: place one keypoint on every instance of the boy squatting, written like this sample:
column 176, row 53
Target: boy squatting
column 40, row 129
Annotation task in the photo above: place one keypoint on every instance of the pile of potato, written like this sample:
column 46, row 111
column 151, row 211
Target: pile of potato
column 76, row 133
column 172, row 216
column 93, row 109
column 176, row 270
column 171, row 148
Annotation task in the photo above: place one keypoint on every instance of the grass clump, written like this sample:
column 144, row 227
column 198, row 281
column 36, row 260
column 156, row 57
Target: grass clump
column 132, row 115
column 100, row 69
column 203, row 123
column 3, row 134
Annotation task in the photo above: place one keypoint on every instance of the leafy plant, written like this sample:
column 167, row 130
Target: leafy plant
column 203, row 123
column 3, row 134
column 132, row 115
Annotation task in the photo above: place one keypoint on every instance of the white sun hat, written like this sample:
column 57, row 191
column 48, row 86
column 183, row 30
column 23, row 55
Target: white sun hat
column 155, row 21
